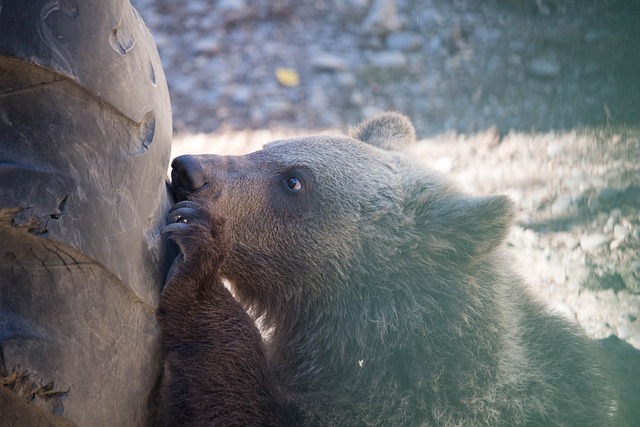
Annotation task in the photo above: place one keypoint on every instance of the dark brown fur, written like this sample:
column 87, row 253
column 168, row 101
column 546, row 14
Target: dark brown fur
column 200, row 361
column 379, row 287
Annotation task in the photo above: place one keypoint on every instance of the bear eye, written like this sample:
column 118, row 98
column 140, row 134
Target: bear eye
column 293, row 183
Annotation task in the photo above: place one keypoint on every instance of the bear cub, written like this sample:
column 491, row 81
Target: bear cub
column 379, row 289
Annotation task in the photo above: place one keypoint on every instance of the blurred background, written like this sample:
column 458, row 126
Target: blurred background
column 537, row 99
column 449, row 64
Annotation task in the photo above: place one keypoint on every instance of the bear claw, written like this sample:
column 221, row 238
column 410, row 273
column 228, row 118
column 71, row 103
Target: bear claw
column 183, row 212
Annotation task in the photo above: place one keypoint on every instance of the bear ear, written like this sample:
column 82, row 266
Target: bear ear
column 389, row 131
column 466, row 229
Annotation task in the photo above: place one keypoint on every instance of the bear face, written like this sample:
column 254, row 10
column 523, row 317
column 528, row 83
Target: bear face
column 280, row 204
column 317, row 216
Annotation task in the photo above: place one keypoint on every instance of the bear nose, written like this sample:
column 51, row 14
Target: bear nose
column 187, row 173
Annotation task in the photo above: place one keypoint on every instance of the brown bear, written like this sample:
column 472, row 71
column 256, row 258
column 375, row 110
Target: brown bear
column 380, row 291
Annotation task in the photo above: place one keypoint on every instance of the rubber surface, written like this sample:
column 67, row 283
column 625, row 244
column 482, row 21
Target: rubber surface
column 85, row 134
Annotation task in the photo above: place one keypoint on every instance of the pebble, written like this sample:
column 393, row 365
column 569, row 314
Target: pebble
column 183, row 85
column 615, row 244
column 620, row 232
column 589, row 242
column 593, row 204
column 207, row 45
column 388, row 60
column 328, row 62
column 346, row 80
column 195, row 7
column 276, row 107
column 624, row 332
column 517, row 45
column 357, row 99
column 554, row 150
column 382, row 18
column 577, row 199
column 487, row 35
column 562, row 204
column 403, row 41
column 576, row 181
column 241, row 94
column 628, row 317
column 634, row 340
column 544, row 68
column 234, row 10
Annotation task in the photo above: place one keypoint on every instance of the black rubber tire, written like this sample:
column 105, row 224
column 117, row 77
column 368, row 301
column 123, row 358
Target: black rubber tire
column 85, row 139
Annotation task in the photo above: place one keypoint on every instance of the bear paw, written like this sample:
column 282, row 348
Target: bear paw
column 198, row 234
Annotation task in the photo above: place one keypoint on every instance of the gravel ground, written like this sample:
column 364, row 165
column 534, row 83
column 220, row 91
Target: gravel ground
column 535, row 99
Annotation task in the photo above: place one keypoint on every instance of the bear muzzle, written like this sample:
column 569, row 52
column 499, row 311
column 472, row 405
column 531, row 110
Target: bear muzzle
column 187, row 176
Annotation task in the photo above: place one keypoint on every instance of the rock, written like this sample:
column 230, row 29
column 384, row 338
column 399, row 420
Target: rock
column 241, row 94
column 590, row 242
column 234, row 11
column 277, row 108
column 628, row 317
column 195, row 7
column 403, row 41
column 562, row 205
column 611, row 221
column 388, row 60
column 554, row 150
column 357, row 99
column 620, row 232
column 329, row 62
column 258, row 117
column 346, row 80
column 593, row 204
column 487, row 35
column 624, row 332
column 544, row 68
column 184, row 85
column 577, row 199
column 382, row 18
column 208, row 45
column 615, row 244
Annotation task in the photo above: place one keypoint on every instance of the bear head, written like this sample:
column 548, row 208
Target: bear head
column 312, row 218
